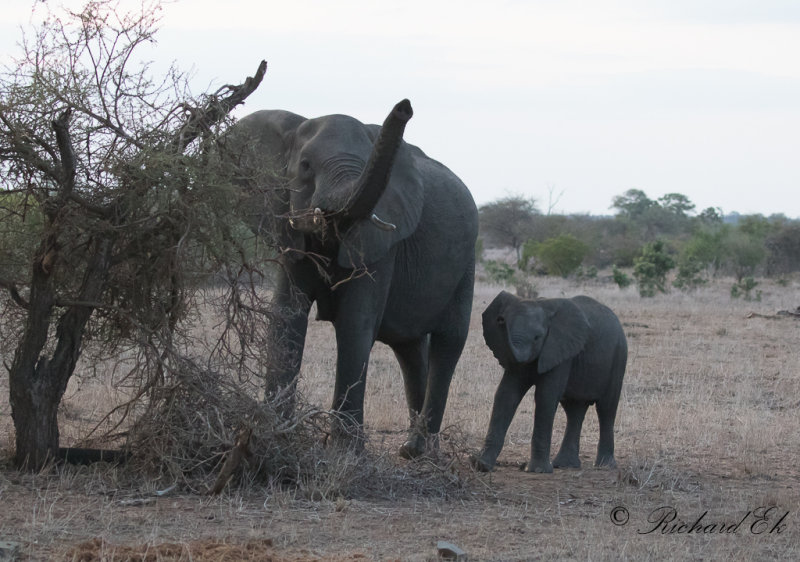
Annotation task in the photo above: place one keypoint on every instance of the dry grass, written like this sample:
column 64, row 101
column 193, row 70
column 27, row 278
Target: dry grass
column 707, row 423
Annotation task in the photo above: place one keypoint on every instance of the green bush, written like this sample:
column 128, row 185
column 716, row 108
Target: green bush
column 561, row 255
column 620, row 277
column 706, row 249
column 528, row 252
column 745, row 253
column 651, row 268
column 499, row 272
column 690, row 275
column 744, row 289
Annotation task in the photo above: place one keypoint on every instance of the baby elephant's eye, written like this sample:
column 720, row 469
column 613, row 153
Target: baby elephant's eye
column 501, row 321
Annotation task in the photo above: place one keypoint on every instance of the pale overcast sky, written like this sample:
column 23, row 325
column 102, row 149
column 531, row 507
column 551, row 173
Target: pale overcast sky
column 587, row 98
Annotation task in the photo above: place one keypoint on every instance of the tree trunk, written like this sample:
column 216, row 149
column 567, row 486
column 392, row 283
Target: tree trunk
column 37, row 383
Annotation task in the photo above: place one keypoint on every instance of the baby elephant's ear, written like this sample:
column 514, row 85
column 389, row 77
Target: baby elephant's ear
column 567, row 333
column 494, row 329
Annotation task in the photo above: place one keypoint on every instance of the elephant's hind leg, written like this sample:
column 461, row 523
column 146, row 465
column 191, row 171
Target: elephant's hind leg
column 606, row 414
column 413, row 359
column 567, row 456
column 607, row 409
column 446, row 344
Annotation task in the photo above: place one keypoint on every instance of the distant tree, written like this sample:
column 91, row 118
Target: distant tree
column 783, row 249
column 633, row 203
column 677, row 204
column 651, row 219
column 710, row 215
column 509, row 221
column 744, row 253
column 757, row 227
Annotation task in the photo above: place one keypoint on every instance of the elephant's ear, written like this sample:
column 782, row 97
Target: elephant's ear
column 568, row 330
column 401, row 205
column 263, row 141
column 494, row 329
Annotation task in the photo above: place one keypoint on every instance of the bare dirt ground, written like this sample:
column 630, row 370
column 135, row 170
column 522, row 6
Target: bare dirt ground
column 708, row 441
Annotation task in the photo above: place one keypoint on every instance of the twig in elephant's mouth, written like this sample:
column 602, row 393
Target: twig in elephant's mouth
column 315, row 220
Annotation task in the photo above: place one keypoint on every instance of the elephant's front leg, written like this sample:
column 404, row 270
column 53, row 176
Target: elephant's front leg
column 549, row 389
column 509, row 394
column 359, row 312
column 287, row 335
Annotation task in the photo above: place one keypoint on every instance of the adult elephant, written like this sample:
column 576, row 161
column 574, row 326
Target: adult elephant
column 382, row 238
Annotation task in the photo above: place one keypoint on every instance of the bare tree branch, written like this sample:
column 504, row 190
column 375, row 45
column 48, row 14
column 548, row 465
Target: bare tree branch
column 216, row 109
column 67, row 152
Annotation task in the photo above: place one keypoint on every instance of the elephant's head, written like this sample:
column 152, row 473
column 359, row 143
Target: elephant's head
column 519, row 331
column 341, row 177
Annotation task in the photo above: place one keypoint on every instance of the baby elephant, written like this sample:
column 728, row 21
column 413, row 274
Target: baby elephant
column 574, row 351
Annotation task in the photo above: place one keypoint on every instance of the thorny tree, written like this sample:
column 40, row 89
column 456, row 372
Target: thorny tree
column 113, row 171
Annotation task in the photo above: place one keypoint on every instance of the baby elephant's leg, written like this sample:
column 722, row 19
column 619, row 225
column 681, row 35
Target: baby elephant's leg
column 570, row 446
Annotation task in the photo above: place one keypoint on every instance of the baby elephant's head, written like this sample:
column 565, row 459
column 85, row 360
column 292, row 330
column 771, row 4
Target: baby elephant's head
column 520, row 331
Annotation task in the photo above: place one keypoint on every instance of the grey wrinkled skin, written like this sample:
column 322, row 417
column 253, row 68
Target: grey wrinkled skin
column 388, row 254
column 574, row 352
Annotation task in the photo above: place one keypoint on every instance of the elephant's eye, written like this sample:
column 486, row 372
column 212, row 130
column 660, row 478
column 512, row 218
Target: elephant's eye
column 501, row 321
column 305, row 167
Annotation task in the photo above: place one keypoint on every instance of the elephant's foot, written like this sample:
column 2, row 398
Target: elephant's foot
column 564, row 460
column 539, row 466
column 480, row 463
column 418, row 445
column 346, row 435
column 606, row 461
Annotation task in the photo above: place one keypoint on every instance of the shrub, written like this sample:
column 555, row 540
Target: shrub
column 689, row 275
column 745, row 253
column 526, row 289
column 561, row 255
column 620, row 277
column 499, row 272
column 651, row 268
column 744, row 289
column 586, row 274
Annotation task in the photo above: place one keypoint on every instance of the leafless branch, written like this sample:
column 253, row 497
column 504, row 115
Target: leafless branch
column 67, row 152
column 216, row 109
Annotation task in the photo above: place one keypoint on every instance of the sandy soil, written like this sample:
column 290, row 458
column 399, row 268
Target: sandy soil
column 708, row 439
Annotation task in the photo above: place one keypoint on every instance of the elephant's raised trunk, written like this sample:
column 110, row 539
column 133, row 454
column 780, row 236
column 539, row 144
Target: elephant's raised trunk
column 375, row 177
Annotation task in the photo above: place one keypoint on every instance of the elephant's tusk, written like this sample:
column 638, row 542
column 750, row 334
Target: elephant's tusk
column 319, row 219
column 382, row 224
